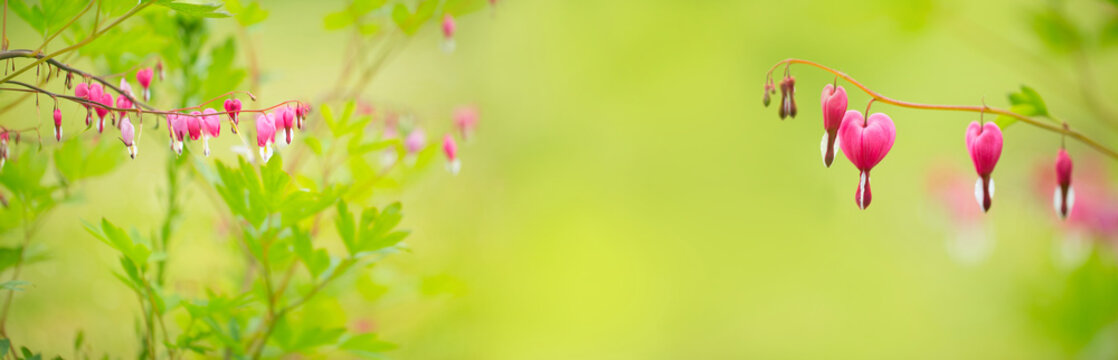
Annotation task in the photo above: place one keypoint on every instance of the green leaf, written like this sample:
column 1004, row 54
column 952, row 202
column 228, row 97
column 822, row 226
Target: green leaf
column 410, row 22
column 194, row 10
column 362, row 7
column 1025, row 102
column 246, row 15
column 48, row 15
column 366, row 345
column 13, row 285
column 344, row 223
column 337, row 20
column 1057, row 31
column 5, row 345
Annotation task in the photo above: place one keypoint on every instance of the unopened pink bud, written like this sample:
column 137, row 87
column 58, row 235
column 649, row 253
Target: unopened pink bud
column 58, row 124
column 450, row 149
column 1063, row 199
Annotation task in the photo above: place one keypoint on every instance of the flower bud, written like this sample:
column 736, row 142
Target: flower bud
column 1063, row 198
column 448, row 33
column 450, row 149
column 834, row 109
column 127, row 136
column 58, row 124
column 788, row 97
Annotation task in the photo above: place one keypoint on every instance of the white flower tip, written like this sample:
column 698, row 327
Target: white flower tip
column 1059, row 202
column 448, row 45
column 454, row 166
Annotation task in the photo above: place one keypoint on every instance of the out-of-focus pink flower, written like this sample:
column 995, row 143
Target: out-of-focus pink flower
column 415, row 141
column 969, row 238
column 450, row 149
column 1096, row 201
column 465, row 119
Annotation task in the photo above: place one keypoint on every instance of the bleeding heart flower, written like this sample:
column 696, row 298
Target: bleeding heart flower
column 465, row 118
column 107, row 101
column 265, row 135
column 450, row 148
column 58, row 124
column 415, row 141
column 194, row 124
column 127, row 136
column 865, row 142
column 211, row 128
column 233, row 107
column 301, row 112
column 180, row 130
column 985, row 145
column 285, row 118
column 448, row 33
column 125, row 88
column 1063, row 198
column 144, row 78
column 834, row 108
column 123, row 103
column 82, row 91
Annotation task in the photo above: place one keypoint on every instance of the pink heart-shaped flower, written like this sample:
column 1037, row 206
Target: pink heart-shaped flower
column 984, row 142
column 865, row 142
column 834, row 108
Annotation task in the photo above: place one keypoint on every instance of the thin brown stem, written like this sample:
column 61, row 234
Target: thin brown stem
column 888, row 100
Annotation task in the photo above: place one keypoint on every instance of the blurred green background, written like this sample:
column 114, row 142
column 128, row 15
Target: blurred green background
column 628, row 196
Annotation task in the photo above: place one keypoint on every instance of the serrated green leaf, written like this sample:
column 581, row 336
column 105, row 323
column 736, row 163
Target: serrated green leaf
column 194, row 10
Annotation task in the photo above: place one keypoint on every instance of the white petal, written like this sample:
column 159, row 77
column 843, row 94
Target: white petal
column 862, row 191
column 823, row 148
column 448, row 45
column 454, row 166
column 978, row 192
column 1071, row 199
